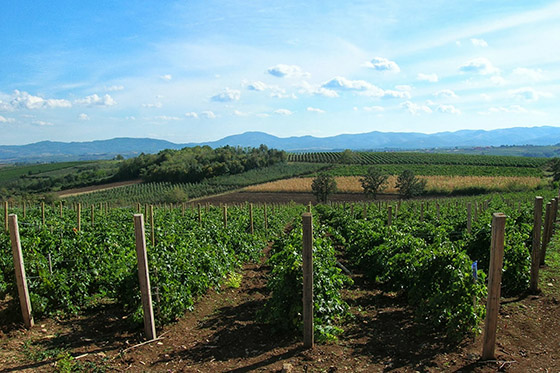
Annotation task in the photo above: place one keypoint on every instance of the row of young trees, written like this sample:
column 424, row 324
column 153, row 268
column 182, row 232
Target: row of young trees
column 374, row 182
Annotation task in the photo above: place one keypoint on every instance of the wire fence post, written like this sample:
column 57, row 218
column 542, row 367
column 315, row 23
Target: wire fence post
column 535, row 260
column 144, row 277
column 19, row 266
column 494, row 285
column 308, row 338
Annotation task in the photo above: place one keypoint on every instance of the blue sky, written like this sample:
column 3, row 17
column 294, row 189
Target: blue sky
column 189, row 71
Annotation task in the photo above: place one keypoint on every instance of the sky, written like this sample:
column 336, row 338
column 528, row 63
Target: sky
column 200, row 70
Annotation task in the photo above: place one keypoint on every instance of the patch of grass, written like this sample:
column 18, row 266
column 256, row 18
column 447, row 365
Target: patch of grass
column 551, row 273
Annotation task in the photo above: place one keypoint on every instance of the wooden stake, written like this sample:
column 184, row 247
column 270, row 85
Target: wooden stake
column 144, row 277
column 92, row 216
column 21, row 280
column 535, row 257
column 43, row 212
column 60, row 208
column 199, row 215
column 389, row 215
column 79, row 216
column 308, row 338
column 494, row 285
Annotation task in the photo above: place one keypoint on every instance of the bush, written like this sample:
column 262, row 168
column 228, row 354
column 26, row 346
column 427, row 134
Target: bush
column 409, row 185
column 323, row 186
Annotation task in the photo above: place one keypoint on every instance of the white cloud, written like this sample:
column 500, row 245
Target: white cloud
column 396, row 94
column 192, row 114
column 480, row 65
column 6, row 120
column 286, row 71
column 375, row 109
column 257, row 86
column 166, row 118
column 315, row 110
column 404, row 87
column 41, row 123
column 485, row 96
column 342, row 84
column 432, row 78
column 283, row 112
column 498, row 80
column 131, row 117
column 167, row 77
column 114, row 88
column 415, row 109
column 528, row 94
column 445, row 93
column 306, row 88
column 83, row 116
column 155, row 105
column 23, row 100
column 227, row 95
column 515, row 109
column 263, row 115
column 95, row 100
column 479, row 42
column 208, row 114
column 448, row 109
column 383, row 64
column 240, row 113
column 458, row 43
column 533, row 74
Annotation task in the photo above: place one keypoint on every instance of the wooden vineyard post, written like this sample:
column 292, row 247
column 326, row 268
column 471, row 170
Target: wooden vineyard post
column 494, row 285
column 308, row 338
column 265, row 218
column 21, row 280
column 92, row 216
column 225, row 215
column 138, row 207
column 437, row 211
column 6, row 216
column 43, row 213
column 309, row 207
column 469, row 218
column 144, row 277
column 79, row 216
column 546, row 232
column 251, row 217
column 199, row 215
column 152, row 229
column 535, row 259
column 475, row 211
column 389, row 215
column 183, row 209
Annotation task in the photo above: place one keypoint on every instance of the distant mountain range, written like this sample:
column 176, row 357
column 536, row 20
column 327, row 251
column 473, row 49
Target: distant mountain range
column 47, row 151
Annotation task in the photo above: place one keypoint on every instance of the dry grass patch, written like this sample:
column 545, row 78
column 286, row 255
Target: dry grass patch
column 441, row 184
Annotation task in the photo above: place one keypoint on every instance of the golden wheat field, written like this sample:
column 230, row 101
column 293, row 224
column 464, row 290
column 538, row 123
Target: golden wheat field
column 351, row 184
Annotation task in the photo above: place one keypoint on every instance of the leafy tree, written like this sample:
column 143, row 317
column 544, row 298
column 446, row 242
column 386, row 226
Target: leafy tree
column 346, row 156
column 176, row 195
column 409, row 185
column 554, row 167
column 323, row 186
column 374, row 182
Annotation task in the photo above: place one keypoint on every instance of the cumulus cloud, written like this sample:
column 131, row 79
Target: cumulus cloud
column 166, row 77
column 238, row 113
column 498, row 80
column 445, row 93
column 396, row 94
column 227, row 95
column 283, row 112
column 404, row 87
column 286, row 71
column 191, row 114
column 306, row 88
column 6, row 120
column 166, row 118
column 95, row 100
column 257, row 86
column 448, row 109
column 479, row 42
column 83, row 116
column 480, row 65
column 114, row 88
column 383, row 64
column 432, row 78
column 415, row 109
column 208, row 114
column 528, row 94
column 342, row 84
column 155, row 105
column 533, row 74
column 315, row 110
column 23, row 100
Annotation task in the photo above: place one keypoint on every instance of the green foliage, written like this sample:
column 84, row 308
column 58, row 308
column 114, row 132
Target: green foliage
column 176, row 195
column 284, row 308
column 374, row 182
column 553, row 166
column 409, row 185
column 323, row 186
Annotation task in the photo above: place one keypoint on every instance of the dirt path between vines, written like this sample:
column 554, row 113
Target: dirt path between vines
column 222, row 335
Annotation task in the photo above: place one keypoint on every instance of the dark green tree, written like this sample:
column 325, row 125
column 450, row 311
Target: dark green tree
column 323, row 186
column 554, row 168
column 374, row 182
column 409, row 185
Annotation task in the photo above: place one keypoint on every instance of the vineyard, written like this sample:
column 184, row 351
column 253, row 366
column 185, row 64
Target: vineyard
column 423, row 252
